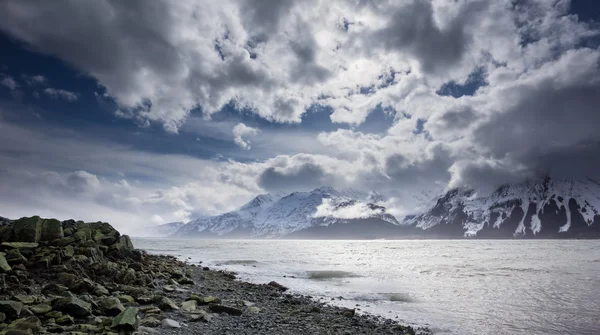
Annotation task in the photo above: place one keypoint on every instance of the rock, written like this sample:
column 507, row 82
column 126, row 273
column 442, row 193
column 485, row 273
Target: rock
column 170, row 323
column 126, row 299
column 65, row 320
column 27, row 229
column 110, row 306
column 253, row 309
column 31, row 323
column 41, row 309
column 2, row 317
column 54, row 288
column 225, row 309
column 166, row 304
column 278, row 286
column 122, row 247
column 189, row 305
column 126, row 320
column 53, row 314
column 26, row 299
column 150, row 322
column 185, row 281
column 347, row 312
column 146, row 331
column 73, row 306
column 14, row 257
column 168, row 288
column 199, row 316
column 51, row 230
column 206, row 300
column 67, row 279
column 12, row 309
column 4, row 266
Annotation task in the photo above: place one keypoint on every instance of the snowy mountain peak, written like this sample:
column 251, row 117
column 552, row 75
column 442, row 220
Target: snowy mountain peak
column 273, row 216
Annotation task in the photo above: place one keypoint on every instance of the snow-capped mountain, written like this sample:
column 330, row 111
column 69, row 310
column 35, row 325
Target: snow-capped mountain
column 273, row 216
column 543, row 208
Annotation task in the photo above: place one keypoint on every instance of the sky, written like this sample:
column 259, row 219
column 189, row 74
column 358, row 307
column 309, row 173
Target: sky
column 146, row 112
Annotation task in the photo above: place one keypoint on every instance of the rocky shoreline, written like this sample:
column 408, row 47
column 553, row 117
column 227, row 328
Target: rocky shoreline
column 73, row 277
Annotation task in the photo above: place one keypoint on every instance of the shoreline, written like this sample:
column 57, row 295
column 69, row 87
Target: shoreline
column 86, row 278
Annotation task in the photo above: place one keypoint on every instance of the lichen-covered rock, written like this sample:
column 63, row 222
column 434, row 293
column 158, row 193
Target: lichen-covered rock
column 166, row 304
column 4, row 266
column 27, row 229
column 73, row 306
column 65, row 320
column 110, row 306
column 12, row 309
column 41, row 309
column 51, row 230
column 189, row 306
column 14, row 257
column 126, row 320
column 150, row 322
column 31, row 323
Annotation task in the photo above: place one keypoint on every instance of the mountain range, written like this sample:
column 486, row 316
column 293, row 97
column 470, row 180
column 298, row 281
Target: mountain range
column 544, row 208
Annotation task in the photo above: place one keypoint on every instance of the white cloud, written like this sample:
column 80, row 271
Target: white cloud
column 241, row 130
column 62, row 94
column 346, row 211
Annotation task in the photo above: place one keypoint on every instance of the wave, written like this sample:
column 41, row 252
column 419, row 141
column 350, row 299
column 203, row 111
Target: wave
column 238, row 262
column 330, row 274
column 399, row 297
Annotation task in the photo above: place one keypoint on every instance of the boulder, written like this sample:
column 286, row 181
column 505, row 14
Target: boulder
column 12, row 309
column 41, row 309
column 26, row 299
column 14, row 257
column 123, row 247
column 65, row 320
column 126, row 299
column 278, row 286
column 110, row 306
column 51, row 230
column 27, row 229
column 199, row 316
column 73, row 306
column 189, row 306
column 4, row 266
column 126, row 320
column 166, row 304
column 31, row 323
column 170, row 323
column 53, row 314
column 206, row 300
column 104, row 233
column 225, row 309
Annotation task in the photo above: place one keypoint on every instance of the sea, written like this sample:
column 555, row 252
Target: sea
column 451, row 286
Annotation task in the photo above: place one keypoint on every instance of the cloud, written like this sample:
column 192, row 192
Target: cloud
column 241, row 130
column 62, row 94
column 34, row 80
column 533, row 114
column 354, row 210
column 9, row 82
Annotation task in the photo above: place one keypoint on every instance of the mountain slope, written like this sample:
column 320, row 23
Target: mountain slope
column 273, row 216
column 544, row 208
column 163, row 230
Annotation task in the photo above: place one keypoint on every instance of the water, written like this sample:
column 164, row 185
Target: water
column 454, row 287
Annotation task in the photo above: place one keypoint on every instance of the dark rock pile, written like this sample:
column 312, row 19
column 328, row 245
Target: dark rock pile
column 80, row 278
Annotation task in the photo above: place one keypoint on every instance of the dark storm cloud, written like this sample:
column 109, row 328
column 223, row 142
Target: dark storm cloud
column 305, row 177
column 412, row 29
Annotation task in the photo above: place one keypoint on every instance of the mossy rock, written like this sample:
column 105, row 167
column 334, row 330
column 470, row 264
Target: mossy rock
column 41, row 309
column 27, row 229
column 65, row 320
column 12, row 309
column 126, row 299
column 73, row 306
column 14, row 257
column 126, row 320
column 32, row 323
column 51, row 230
column 4, row 266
